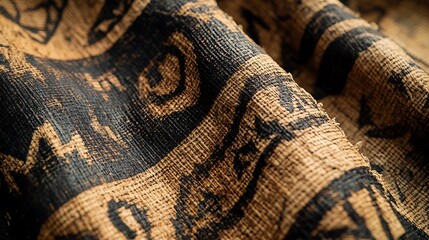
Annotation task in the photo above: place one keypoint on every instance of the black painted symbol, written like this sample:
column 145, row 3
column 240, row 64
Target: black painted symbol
column 52, row 11
column 139, row 215
column 112, row 12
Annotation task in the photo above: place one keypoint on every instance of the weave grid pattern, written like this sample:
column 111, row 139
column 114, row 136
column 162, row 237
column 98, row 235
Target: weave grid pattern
column 147, row 119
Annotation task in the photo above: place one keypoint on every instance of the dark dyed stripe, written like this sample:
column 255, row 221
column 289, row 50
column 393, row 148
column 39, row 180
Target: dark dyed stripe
column 362, row 231
column 151, row 139
column 252, row 21
column 263, row 129
column 309, row 217
column 341, row 55
column 312, row 213
column 383, row 221
column 322, row 20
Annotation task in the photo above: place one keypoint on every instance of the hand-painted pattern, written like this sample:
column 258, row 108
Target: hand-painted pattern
column 161, row 119
column 49, row 14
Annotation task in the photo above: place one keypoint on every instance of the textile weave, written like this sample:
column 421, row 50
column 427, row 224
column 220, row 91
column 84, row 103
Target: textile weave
column 196, row 119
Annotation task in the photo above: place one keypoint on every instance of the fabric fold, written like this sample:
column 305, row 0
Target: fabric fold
column 163, row 119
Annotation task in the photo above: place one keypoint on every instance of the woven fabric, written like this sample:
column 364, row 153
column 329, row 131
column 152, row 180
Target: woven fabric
column 149, row 119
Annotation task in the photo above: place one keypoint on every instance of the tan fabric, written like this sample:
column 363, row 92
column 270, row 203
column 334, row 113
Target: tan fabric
column 383, row 106
column 163, row 119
